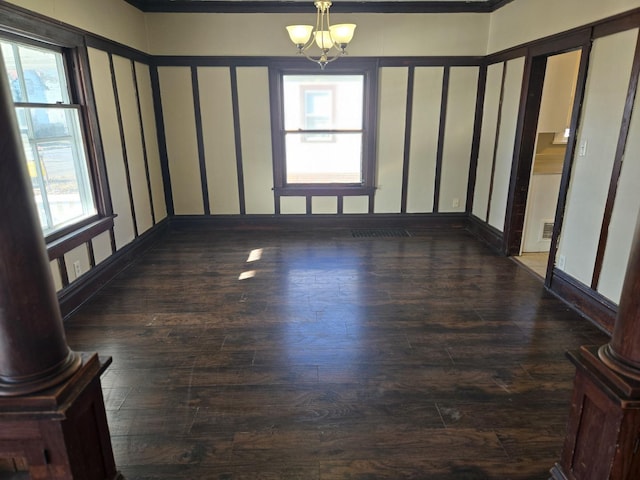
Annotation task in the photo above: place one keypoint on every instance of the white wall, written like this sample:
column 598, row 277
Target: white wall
column 113, row 19
column 522, row 21
column 265, row 34
column 600, row 126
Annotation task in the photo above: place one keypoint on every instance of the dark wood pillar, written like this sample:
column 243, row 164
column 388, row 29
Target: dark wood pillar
column 603, row 434
column 52, row 414
column 33, row 351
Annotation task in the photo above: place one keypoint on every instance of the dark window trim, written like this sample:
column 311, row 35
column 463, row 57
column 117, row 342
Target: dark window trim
column 57, row 248
column 30, row 29
column 368, row 68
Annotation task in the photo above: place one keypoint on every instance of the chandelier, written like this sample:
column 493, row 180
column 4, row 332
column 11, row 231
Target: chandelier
column 332, row 40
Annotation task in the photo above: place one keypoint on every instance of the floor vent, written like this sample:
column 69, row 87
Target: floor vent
column 380, row 233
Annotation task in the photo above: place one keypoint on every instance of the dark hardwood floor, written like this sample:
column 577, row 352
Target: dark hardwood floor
column 425, row 357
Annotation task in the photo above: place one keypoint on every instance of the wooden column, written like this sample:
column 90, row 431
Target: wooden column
column 52, row 414
column 603, row 434
column 33, row 351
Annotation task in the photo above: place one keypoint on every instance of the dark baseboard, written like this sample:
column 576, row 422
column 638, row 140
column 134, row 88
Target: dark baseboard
column 486, row 233
column 78, row 292
column 599, row 310
column 376, row 220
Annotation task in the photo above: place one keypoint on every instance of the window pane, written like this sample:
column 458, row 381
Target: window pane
column 336, row 161
column 323, row 102
column 36, row 75
column 57, row 165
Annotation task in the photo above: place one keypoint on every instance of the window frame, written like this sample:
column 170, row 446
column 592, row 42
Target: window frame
column 365, row 67
column 71, row 46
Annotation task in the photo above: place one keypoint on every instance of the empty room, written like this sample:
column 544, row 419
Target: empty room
column 293, row 240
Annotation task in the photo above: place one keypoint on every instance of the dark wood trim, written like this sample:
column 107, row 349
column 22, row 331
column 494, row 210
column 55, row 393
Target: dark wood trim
column 235, row 106
column 617, row 23
column 145, row 155
column 304, row 221
column 200, row 141
column 91, row 254
column 497, row 139
column 617, row 165
column 485, row 233
column 475, row 143
column 441, row 132
column 309, row 204
column 25, row 23
column 567, row 168
column 340, row 204
column 162, row 139
column 523, row 152
column 271, row 6
column 123, row 144
column 76, row 238
column 584, row 300
column 78, row 292
column 62, row 269
column 115, row 48
column 328, row 190
column 431, row 61
column 112, row 240
column 408, row 119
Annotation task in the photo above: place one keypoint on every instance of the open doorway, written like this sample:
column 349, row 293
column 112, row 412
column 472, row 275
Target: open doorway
column 552, row 133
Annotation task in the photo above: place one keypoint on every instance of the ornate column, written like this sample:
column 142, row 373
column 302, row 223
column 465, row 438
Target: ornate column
column 603, row 434
column 33, row 351
column 52, row 415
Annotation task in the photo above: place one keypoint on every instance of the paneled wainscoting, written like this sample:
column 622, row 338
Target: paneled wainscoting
column 283, row 354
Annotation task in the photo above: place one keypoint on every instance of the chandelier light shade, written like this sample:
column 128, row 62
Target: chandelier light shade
column 332, row 40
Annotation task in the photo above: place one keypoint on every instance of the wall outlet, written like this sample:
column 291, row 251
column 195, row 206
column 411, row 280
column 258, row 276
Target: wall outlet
column 455, row 203
column 561, row 261
column 77, row 268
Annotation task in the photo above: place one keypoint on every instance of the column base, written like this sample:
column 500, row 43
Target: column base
column 604, row 423
column 61, row 433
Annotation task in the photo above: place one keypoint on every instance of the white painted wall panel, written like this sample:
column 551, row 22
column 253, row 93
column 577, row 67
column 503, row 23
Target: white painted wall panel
column 219, row 140
column 506, row 140
column 101, row 247
column 182, row 147
column 600, row 127
column 324, row 205
column 425, row 123
column 625, row 210
column 355, row 205
column 487, row 140
column 393, row 102
column 293, row 205
column 133, row 142
column 151, row 141
column 110, row 133
column 255, row 125
column 80, row 255
column 461, row 107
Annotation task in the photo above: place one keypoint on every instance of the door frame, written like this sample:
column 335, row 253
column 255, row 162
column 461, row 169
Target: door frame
column 525, row 141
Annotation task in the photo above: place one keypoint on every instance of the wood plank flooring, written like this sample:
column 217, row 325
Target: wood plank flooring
column 331, row 357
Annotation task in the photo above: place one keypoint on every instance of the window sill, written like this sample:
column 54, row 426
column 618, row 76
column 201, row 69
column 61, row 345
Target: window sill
column 58, row 247
column 303, row 190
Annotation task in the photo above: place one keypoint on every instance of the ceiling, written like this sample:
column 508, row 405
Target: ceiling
column 304, row 6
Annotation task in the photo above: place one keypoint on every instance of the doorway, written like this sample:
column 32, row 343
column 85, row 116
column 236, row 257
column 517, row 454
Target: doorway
column 552, row 133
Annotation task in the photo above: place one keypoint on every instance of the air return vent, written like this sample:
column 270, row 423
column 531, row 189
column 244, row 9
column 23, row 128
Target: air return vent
column 547, row 230
column 380, row 233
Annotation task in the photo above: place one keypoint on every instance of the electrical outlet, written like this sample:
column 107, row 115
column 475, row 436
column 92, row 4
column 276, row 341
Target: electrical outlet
column 456, row 203
column 77, row 268
column 561, row 261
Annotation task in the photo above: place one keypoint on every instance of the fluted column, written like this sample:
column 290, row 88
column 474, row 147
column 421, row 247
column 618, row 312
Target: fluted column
column 33, row 351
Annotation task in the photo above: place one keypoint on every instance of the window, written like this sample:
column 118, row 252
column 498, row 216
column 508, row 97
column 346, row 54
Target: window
column 51, row 132
column 323, row 131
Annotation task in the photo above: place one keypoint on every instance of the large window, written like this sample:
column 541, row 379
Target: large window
column 323, row 131
column 51, row 132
